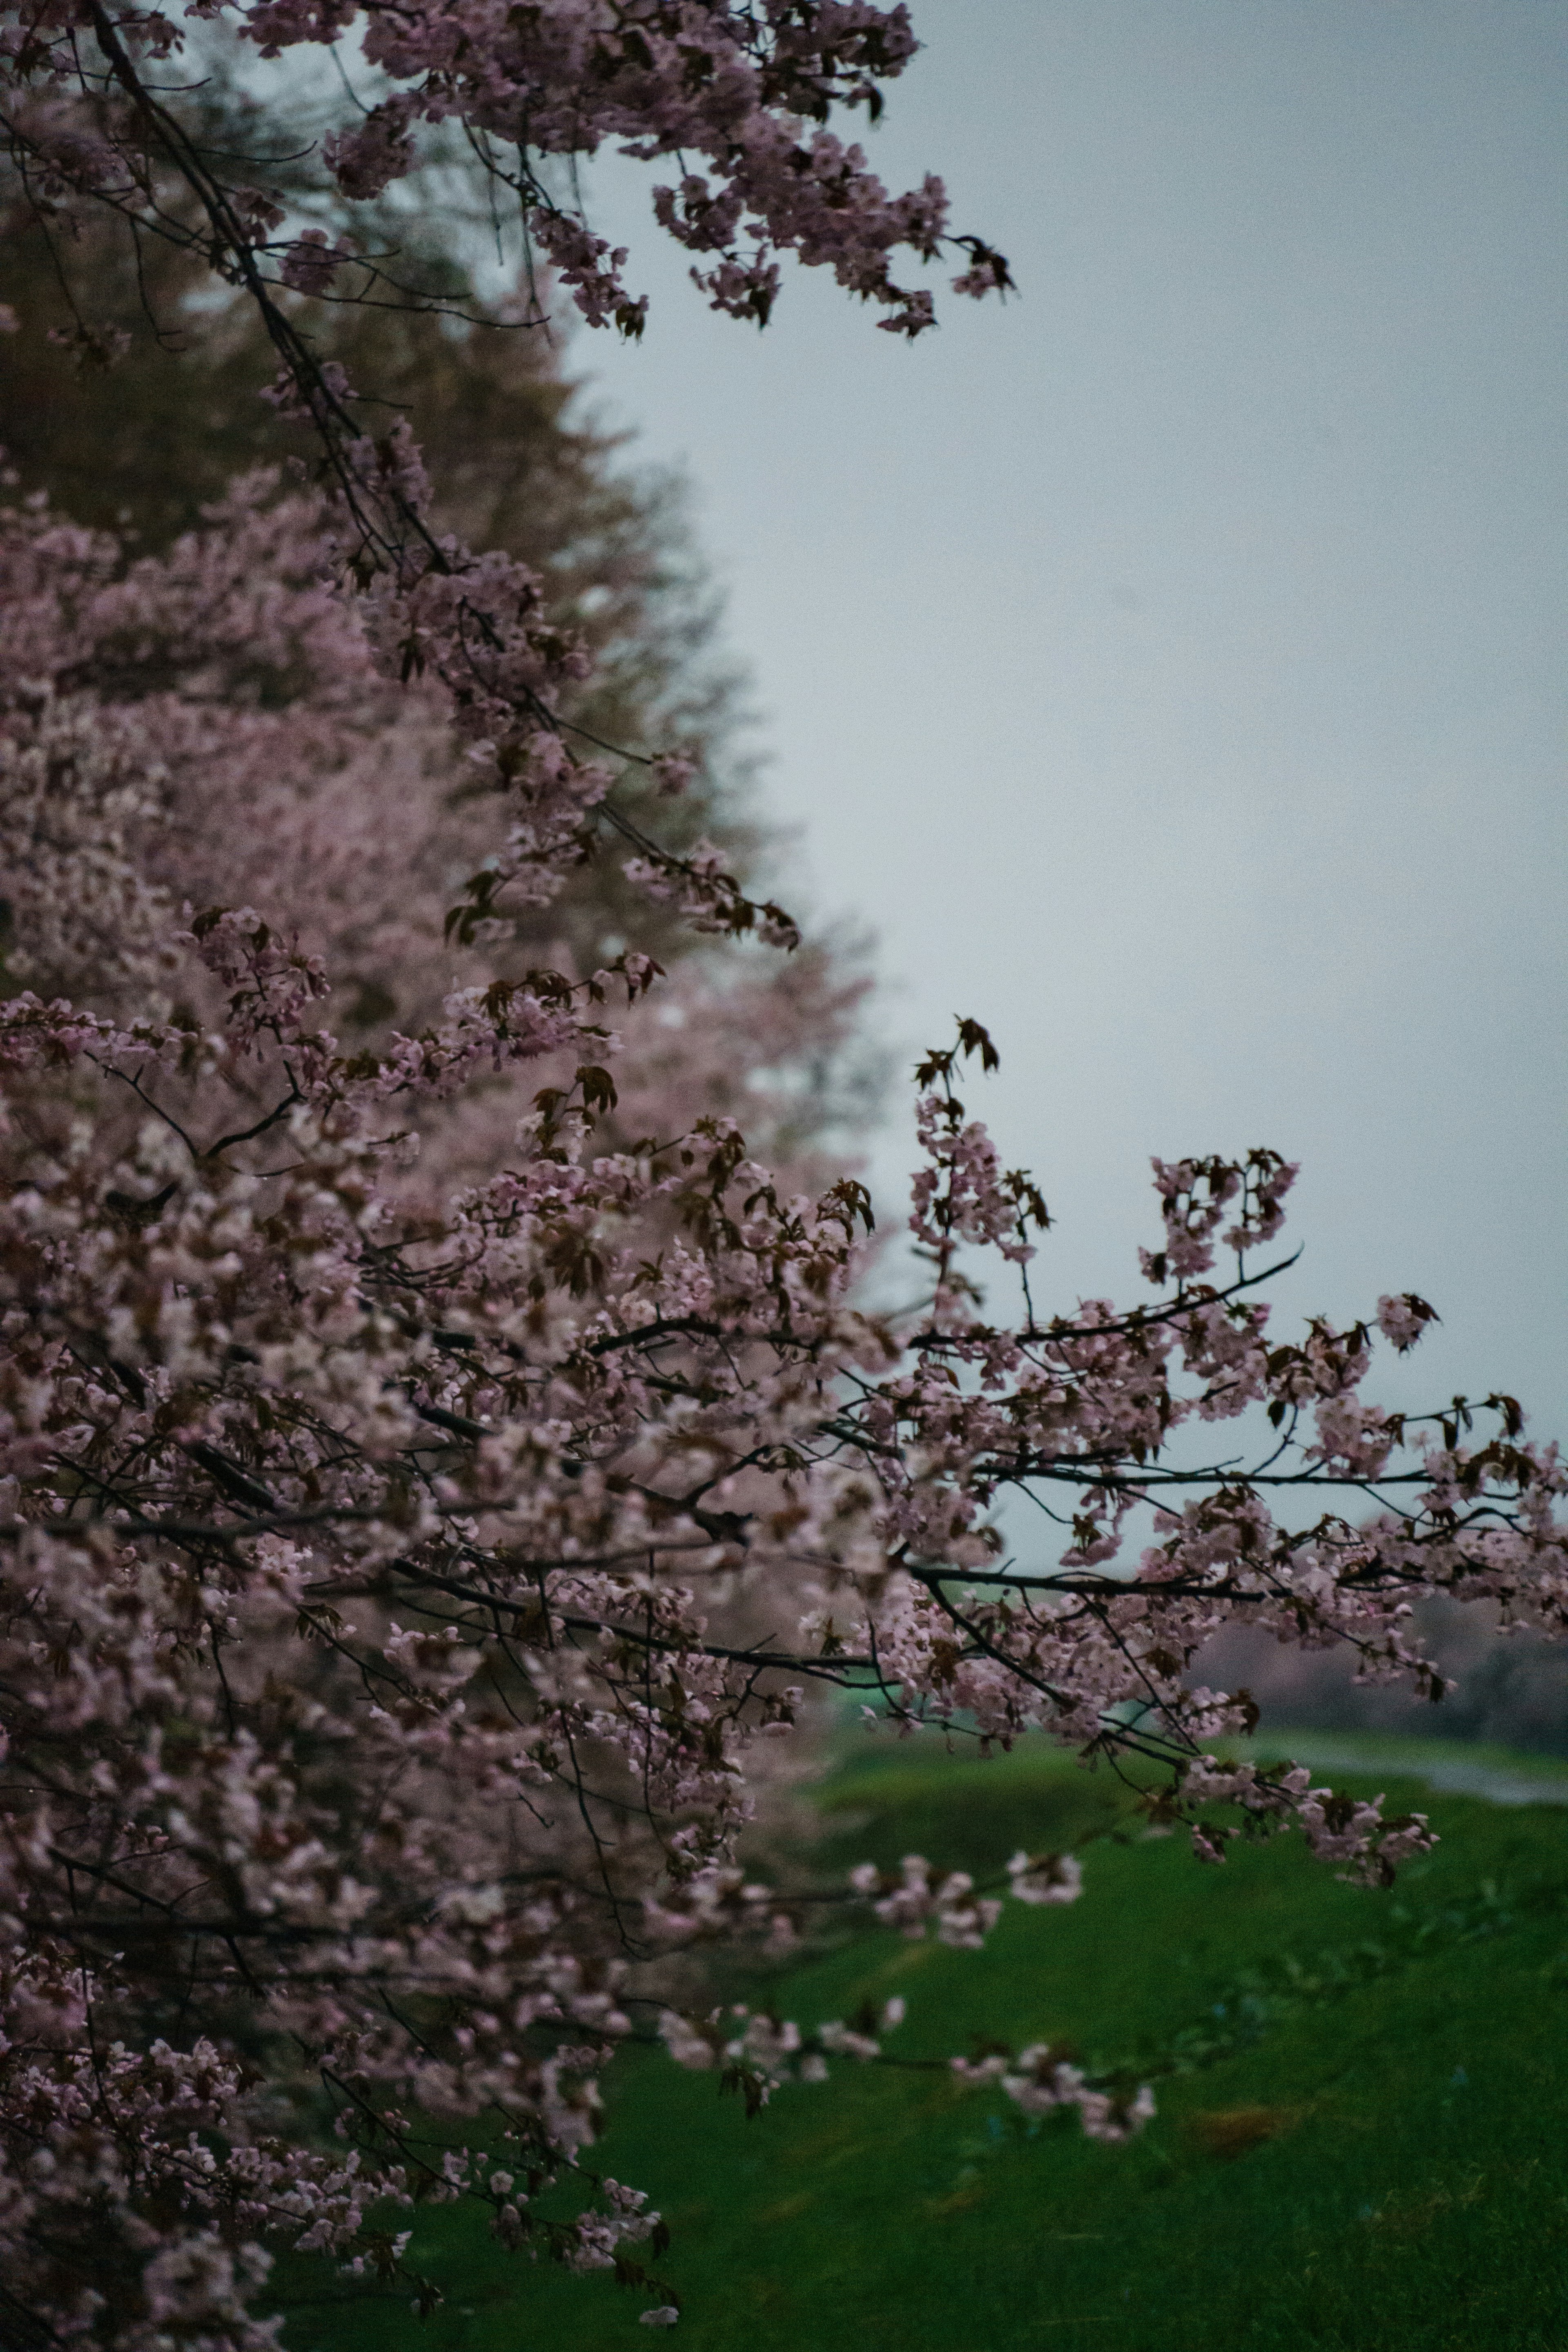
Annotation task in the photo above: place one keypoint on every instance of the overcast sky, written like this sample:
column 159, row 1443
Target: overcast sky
column 1169, row 664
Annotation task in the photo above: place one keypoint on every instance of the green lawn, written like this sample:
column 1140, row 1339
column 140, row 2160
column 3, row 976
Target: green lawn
column 1361, row 2138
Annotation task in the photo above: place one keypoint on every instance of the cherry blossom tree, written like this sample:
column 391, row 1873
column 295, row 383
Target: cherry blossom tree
column 437, row 1462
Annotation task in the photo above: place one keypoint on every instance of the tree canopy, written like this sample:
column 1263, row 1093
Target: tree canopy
column 442, row 1449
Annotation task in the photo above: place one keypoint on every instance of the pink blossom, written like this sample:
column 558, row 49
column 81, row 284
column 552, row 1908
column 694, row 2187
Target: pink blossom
column 1402, row 1320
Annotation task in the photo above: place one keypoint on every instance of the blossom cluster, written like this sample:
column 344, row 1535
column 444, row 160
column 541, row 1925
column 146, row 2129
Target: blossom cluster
column 407, row 1580
column 738, row 97
column 367, row 1583
column 1038, row 2081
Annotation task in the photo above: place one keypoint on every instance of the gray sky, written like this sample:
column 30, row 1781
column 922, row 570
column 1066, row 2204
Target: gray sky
column 1169, row 666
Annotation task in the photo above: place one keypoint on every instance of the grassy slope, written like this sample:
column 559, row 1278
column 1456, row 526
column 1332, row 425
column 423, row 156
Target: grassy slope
column 1365, row 2150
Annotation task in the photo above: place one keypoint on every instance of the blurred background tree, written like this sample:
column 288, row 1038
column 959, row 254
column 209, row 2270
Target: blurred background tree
column 137, row 424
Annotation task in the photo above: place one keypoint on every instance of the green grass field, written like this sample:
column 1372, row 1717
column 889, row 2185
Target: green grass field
column 1362, row 2097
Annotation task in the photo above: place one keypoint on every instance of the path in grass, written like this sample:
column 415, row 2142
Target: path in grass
column 1498, row 1774
column 1360, row 2141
